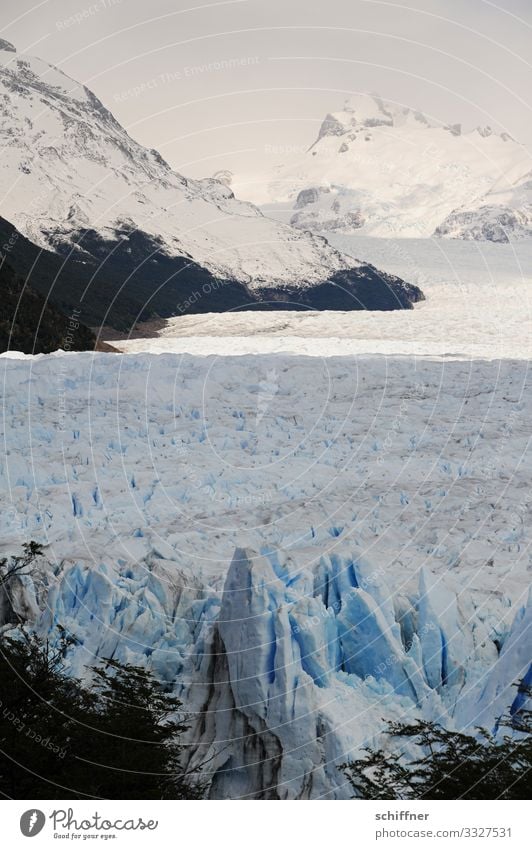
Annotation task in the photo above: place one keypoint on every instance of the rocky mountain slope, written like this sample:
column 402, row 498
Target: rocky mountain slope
column 502, row 215
column 385, row 170
column 73, row 181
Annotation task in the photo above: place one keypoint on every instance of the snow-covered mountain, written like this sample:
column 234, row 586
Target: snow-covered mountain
column 387, row 171
column 69, row 173
column 502, row 215
column 300, row 548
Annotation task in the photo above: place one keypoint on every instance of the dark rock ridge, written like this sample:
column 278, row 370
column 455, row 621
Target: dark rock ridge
column 131, row 278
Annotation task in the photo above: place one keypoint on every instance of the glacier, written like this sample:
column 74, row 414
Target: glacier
column 301, row 548
column 471, row 289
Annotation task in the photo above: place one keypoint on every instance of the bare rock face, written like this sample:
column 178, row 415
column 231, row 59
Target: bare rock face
column 306, row 196
column 454, row 129
column 331, row 126
column 316, row 222
column 324, row 209
column 7, row 46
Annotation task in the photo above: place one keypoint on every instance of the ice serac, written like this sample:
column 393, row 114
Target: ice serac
column 499, row 690
column 292, row 679
column 290, row 671
column 382, row 169
column 74, row 182
column 286, row 672
column 262, row 701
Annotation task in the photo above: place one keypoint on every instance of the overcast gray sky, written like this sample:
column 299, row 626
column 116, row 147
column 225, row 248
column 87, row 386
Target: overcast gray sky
column 230, row 84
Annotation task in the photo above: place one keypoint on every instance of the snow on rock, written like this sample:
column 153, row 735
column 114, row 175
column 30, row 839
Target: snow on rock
column 300, row 548
column 503, row 215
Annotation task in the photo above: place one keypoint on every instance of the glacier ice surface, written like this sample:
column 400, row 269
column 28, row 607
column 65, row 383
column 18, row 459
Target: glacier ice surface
column 300, row 548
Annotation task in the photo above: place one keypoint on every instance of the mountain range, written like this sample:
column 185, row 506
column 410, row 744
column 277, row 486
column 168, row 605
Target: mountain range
column 385, row 170
column 123, row 237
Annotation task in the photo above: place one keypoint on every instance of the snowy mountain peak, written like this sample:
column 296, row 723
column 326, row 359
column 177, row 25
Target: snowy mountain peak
column 368, row 110
column 386, row 170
